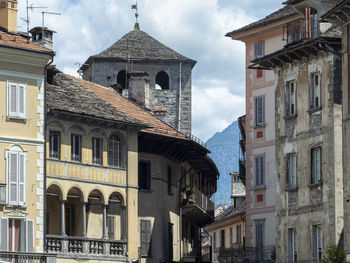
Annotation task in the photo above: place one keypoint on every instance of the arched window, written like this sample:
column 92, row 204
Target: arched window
column 114, row 151
column 122, row 78
column 162, row 80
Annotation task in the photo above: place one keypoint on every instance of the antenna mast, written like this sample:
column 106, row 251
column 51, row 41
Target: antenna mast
column 43, row 24
column 31, row 7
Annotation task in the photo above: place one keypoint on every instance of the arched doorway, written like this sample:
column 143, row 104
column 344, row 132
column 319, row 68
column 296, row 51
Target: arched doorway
column 53, row 211
column 116, row 216
column 95, row 218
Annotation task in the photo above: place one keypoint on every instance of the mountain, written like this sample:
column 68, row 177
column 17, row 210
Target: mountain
column 224, row 147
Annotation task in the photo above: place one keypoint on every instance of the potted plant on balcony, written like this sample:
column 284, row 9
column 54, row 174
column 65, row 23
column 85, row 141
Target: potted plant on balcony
column 190, row 195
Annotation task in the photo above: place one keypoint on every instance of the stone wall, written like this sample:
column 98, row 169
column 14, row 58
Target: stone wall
column 105, row 73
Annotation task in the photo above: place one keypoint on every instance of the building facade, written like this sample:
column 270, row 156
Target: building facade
column 257, row 167
column 169, row 75
column 337, row 18
column 308, row 135
column 22, row 138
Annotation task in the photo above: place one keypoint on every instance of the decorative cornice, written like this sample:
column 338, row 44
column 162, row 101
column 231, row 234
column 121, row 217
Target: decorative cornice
column 23, row 57
column 16, row 214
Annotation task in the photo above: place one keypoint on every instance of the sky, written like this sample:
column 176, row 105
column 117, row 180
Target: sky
column 194, row 28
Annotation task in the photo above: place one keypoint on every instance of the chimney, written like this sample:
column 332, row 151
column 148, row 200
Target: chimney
column 139, row 88
column 8, row 15
column 42, row 36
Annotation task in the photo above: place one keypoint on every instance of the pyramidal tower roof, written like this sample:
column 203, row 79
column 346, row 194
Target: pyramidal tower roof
column 138, row 45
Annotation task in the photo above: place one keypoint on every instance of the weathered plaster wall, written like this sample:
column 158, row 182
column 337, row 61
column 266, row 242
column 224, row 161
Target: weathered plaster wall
column 308, row 204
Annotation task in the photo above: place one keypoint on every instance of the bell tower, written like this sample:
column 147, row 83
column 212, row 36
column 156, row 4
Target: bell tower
column 8, row 15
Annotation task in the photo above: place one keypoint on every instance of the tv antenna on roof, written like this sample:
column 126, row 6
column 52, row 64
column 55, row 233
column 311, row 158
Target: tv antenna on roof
column 43, row 13
column 31, row 7
column 136, row 11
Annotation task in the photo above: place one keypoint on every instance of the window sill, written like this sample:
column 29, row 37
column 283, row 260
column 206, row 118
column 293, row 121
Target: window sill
column 260, row 126
column 16, row 118
column 313, row 110
column 291, row 189
column 290, row 116
column 258, row 188
column 316, row 185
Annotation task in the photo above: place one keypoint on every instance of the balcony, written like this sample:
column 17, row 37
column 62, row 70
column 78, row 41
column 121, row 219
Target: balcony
column 80, row 247
column 302, row 29
column 198, row 207
column 26, row 257
column 86, row 172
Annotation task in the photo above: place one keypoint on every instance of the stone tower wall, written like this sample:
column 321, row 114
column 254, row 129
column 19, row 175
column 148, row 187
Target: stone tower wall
column 105, row 73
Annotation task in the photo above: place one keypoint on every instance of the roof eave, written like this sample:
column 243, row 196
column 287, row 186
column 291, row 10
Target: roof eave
column 49, row 53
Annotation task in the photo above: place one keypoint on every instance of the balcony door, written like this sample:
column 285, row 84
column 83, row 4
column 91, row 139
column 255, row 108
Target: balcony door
column 259, row 239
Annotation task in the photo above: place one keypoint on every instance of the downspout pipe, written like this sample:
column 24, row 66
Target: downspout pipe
column 45, row 159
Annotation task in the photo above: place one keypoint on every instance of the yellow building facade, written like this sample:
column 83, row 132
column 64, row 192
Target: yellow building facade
column 22, row 93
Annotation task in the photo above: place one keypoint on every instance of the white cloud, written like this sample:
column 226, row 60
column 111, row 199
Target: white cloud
column 194, row 28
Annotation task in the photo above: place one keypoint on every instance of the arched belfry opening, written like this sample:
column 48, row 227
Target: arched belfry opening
column 122, row 78
column 162, row 80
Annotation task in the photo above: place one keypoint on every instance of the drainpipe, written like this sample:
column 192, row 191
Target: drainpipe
column 180, row 84
column 44, row 131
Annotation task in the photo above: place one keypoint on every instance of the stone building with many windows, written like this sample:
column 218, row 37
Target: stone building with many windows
column 308, row 112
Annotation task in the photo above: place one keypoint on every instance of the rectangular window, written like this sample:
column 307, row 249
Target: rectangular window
column 259, row 49
column 317, row 242
column 315, row 91
column 231, row 237
column 145, row 175
column 16, row 178
column 259, row 240
column 97, row 151
column 222, row 238
column 290, row 98
column 292, row 245
column 239, row 233
column 259, row 171
column 316, row 165
column 291, row 170
column 19, row 235
column 76, row 147
column 259, row 73
column 169, row 179
column 16, row 99
column 259, row 111
column 2, row 5
column 55, row 144
column 145, row 226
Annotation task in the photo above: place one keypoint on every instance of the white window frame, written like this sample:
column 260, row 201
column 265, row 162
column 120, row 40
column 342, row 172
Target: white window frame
column 294, row 245
column 260, row 120
column 259, row 49
column 18, row 152
column 292, row 170
column 16, row 114
column 259, row 171
column 315, row 91
column 291, row 108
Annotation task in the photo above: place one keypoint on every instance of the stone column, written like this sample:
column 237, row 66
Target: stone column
column 63, row 215
column 104, row 222
column 123, row 226
column 83, row 209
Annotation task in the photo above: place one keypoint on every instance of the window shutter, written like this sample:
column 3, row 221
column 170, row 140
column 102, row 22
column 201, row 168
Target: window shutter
column 148, row 240
column 30, row 236
column 290, row 245
column 21, row 179
column 21, row 99
column 12, row 99
column 13, row 178
column 259, row 106
column 257, row 170
column 314, row 242
column 262, row 170
column 4, row 234
column 143, row 237
column 318, row 165
column 312, row 91
column 288, row 98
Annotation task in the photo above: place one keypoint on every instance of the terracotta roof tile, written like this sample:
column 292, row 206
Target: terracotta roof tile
column 132, row 110
column 17, row 41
